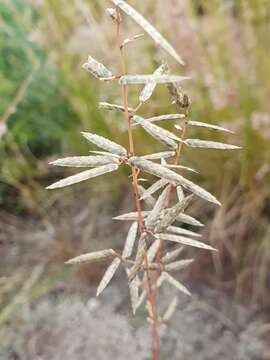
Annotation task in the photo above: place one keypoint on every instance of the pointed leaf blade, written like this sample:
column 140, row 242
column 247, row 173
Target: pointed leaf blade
column 209, row 126
column 197, row 143
column 163, row 172
column 160, row 134
column 185, row 241
column 91, row 257
column 107, row 277
column 84, row 161
column 105, row 144
column 148, row 28
column 83, row 176
column 176, row 283
column 131, row 237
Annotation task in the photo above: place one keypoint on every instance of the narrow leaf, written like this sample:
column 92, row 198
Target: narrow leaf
column 105, row 144
column 150, row 79
column 180, row 193
column 185, row 241
column 163, row 172
column 92, row 257
column 172, row 166
column 106, row 153
column 84, row 161
column 197, row 143
column 209, row 126
column 176, row 283
column 139, row 257
column 131, row 237
column 82, row 176
column 108, row 275
column 187, row 219
column 132, row 216
column 178, row 265
column 160, row 155
column 113, row 107
column 97, row 69
column 134, row 292
column 147, row 27
column 154, row 188
column 157, row 132
column 149, row 88
column 149, row 200
column 166, row 117
column 152, row 251
column 171, row 309
column 171, row 214
column 172, row 255
column 154, row 215
column 180, row 231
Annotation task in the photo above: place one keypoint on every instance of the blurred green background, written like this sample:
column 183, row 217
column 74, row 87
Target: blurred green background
column 47, row 99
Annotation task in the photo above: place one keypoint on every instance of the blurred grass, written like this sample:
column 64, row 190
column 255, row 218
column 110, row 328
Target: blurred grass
column 226, row 47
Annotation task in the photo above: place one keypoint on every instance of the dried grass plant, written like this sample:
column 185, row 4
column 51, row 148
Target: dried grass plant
column 148, row 256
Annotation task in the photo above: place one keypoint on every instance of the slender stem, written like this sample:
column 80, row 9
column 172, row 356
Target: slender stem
column 151, row 297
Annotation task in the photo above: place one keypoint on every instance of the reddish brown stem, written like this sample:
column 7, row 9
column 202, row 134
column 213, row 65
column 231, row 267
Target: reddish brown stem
column 151, row 297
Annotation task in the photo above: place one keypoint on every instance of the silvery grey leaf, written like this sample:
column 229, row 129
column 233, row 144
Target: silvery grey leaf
column 209, row 144
column 209, row 126
column 147, row 27
column 150, row 79
column 157, row 132
column 105, row 144
column 108, row 275
column 172, row 166
column 175, row 283
column 82, row 176
column 153, row 188
column 92, row 257
column 84, row 161
column 178, row 265
column 180, row 193
column 180, row 231
column 134, row 292
column 185, row 241
column 149, row 88
column 187, row 219
column 108, row 106
column 172, row 255
column 139, row 257
column 154, row 215
column 105, row 153
column 166, row 117
column 160, row 155
column 171, row 309
column 152, row 251
column 132, row 216
column 171, row 214
column 131, row 237
column 164, row 173
column 149, row 200
column 97, row 69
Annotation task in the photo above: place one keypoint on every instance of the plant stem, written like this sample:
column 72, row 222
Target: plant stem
column 151, row 297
